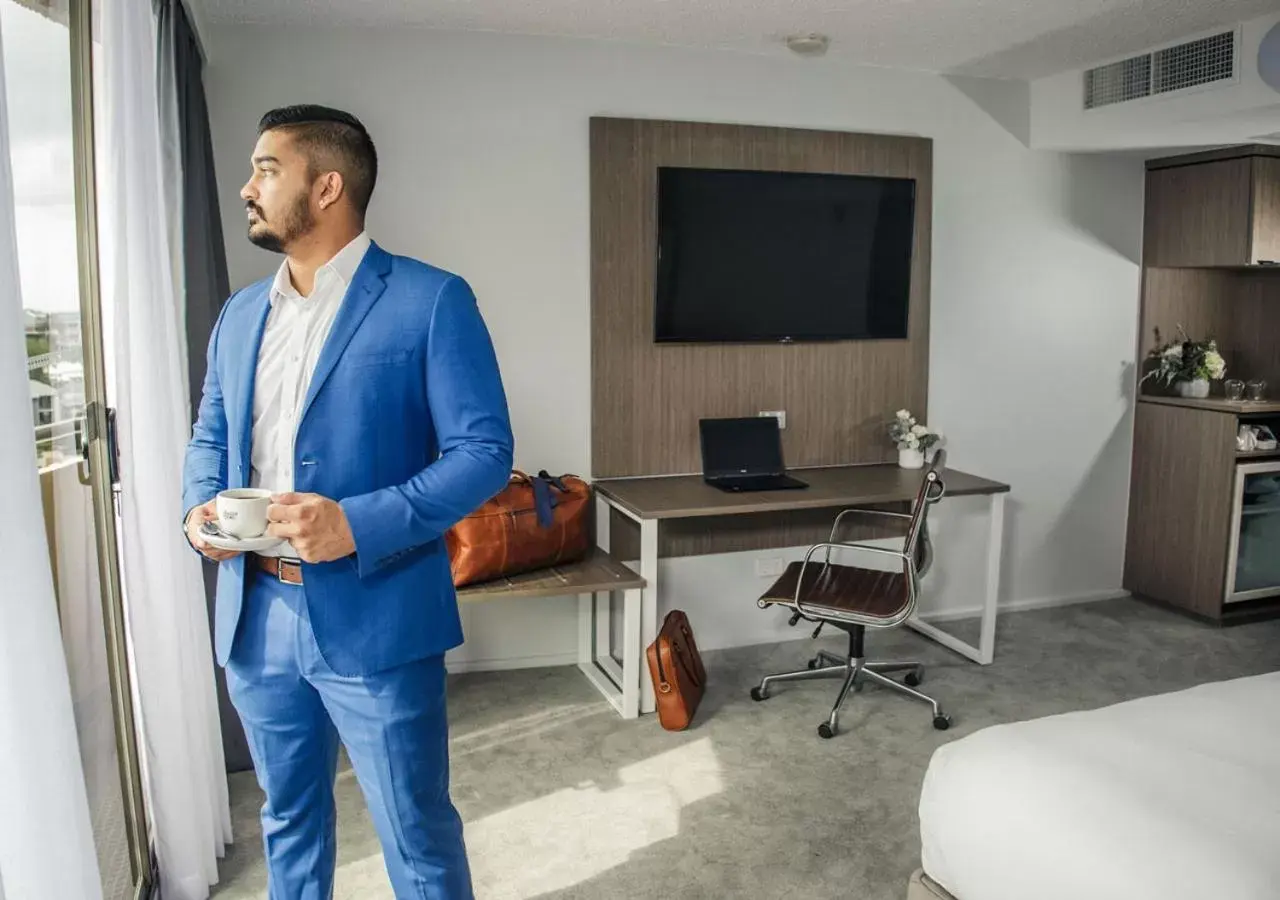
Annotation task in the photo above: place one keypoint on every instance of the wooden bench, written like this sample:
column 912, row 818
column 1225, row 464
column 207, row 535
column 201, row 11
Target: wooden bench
column 593, row 580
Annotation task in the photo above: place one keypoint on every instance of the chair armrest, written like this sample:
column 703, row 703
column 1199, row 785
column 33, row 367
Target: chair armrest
column 867, row 511
column 862, row 511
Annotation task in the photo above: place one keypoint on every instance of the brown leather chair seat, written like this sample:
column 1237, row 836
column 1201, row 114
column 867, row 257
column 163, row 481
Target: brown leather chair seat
column 841, row 589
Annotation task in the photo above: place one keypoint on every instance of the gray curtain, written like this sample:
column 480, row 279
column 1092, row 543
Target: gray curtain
column 201, row 255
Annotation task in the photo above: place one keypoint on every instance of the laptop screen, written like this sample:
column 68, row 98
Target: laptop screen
column 747, row 446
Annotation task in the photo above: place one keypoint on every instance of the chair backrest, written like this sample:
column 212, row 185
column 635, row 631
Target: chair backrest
column 917, row 544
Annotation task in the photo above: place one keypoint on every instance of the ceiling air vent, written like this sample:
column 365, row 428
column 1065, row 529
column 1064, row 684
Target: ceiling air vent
column 1189, row 64
column 1193, row 63
column 1116, row 82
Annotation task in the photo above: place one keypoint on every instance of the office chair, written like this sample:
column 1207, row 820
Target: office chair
column 855, row 599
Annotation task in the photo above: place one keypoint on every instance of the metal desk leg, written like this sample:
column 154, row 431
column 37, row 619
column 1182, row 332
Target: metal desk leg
column 646, row 603
column 984, row 653
column 995, row 546
column 595, row 631
column 649, row 604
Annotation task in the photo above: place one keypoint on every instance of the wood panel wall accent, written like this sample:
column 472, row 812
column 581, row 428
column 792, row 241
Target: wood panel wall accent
column 1198, row 215
column 1180, row 506
column 647, row 398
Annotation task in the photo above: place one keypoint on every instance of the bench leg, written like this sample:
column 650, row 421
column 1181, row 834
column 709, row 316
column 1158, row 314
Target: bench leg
column 586, row 629
column 620, row 685
column 604, row 625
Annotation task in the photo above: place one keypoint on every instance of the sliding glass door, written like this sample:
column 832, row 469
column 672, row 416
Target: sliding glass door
column 48, row 58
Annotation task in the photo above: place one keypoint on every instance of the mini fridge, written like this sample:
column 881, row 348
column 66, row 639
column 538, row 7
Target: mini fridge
column 1253, row 563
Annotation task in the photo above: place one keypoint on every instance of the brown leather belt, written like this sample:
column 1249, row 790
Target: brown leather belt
column 287, row 570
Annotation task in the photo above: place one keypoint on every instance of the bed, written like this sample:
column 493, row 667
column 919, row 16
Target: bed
column 1163, row 798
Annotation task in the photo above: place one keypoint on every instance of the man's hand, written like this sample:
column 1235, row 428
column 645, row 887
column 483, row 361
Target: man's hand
column 197, row 517
column 316, row 526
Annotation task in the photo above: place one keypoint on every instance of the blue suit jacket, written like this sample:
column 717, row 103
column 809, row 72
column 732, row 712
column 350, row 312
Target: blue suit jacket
column 405, row 425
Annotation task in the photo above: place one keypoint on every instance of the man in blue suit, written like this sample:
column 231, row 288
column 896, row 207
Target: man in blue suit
column 362, row 389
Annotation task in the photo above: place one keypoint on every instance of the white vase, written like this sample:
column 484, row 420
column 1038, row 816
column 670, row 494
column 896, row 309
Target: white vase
column 1194, row 390
column 910, row 459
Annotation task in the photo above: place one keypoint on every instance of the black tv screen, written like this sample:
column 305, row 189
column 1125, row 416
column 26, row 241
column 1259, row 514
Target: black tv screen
column 746, row 256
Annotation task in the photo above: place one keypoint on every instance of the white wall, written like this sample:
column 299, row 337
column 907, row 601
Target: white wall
column 1234, row 112
column 484, row 155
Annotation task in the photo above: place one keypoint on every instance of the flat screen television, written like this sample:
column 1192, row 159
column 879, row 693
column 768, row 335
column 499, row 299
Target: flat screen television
column 748, row 256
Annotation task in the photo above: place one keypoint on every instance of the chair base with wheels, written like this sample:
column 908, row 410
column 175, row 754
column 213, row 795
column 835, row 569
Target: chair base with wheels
column 855, row 671
column 854, row 598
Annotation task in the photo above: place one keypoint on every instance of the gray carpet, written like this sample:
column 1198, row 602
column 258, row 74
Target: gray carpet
column 563, row 799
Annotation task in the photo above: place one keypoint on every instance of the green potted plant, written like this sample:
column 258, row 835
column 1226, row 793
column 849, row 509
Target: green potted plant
column 913, row 440
column 1185, row 365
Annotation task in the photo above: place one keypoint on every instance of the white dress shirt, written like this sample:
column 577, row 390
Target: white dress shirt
column 296, row 331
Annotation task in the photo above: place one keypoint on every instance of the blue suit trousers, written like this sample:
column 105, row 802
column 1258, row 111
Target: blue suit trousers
column 295, row 710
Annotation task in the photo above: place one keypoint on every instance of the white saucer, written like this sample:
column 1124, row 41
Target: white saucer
column 241, row 545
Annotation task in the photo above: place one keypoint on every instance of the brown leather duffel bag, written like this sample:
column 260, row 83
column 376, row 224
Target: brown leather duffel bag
column 532, row 523
column 679, row 678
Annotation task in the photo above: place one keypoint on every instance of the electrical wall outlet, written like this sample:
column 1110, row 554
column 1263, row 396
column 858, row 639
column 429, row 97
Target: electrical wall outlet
column 769, row 566
column 779, row 414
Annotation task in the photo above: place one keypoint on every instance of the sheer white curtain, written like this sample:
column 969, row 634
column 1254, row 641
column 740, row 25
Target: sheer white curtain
column 164, row 591
column 46, row 841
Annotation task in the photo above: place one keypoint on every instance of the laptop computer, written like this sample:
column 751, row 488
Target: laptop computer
column 744, row 455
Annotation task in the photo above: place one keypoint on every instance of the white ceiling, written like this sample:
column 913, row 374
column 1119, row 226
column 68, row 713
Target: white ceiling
column 996, row 38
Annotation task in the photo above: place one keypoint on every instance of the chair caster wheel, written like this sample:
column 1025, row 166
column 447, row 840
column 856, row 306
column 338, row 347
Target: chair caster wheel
column 813, row 664
column 826, row 732
column 913, row 679
column 758, row 695
column 942, row 723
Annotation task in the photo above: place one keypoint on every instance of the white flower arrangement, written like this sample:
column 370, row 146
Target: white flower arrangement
column 1185, row 360
column 908, row 434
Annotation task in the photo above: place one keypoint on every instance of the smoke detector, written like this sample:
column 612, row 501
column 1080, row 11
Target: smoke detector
column 808, row 44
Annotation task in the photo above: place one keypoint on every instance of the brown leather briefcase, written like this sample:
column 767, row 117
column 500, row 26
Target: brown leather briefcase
column 532, row 523
column 679, row 678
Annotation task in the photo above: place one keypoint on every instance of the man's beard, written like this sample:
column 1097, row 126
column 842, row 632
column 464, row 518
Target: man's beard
column 297, row 222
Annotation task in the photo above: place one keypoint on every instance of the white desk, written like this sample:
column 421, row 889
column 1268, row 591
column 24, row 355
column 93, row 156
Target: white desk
column 651, row 501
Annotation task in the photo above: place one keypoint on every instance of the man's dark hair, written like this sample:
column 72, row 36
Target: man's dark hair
column 332, row 141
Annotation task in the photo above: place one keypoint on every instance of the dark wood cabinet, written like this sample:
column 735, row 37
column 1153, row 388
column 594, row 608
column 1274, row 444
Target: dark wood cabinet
column 1266, row 210
column 1197, row 215
column 1204, row 518
column 1180, row 506
column 1220, row 208
column 1197, row 539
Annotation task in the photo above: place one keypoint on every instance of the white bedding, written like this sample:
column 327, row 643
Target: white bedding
column 1163, row 798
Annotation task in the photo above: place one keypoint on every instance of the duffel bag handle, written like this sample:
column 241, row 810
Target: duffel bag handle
column 543, row 502
column 555, row 480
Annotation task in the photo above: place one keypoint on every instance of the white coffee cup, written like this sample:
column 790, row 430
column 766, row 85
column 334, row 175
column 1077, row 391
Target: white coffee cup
column 242, row 512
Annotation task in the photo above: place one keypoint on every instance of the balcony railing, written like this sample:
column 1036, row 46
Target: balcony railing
column 58, row 443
